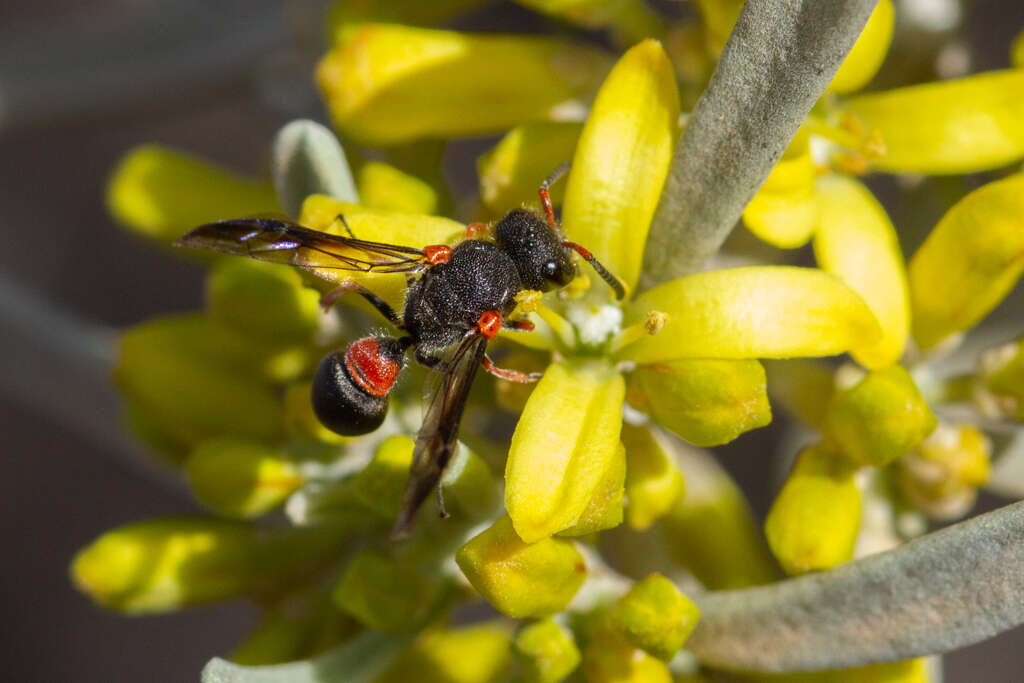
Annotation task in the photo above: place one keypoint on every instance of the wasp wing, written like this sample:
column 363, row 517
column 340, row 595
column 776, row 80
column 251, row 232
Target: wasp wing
column 278, row 240
column 437, row 439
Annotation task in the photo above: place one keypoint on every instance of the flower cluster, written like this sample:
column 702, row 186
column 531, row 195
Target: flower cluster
column 607, row 441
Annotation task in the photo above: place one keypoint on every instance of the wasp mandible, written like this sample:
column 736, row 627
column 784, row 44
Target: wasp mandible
column 457, row 300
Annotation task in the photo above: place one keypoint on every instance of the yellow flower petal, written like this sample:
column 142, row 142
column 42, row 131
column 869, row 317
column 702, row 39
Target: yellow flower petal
column 970, row 261
column 565, row 442
column 961, row 126
column 868, row 53
column 857, row 242
column 707, row 402
column 622, row 159
column 521, row 579
column 720, row 16
column 511, row 172
column 783, row 211
column 752, row 312
column 408, row 12
column 814, row 521
column 629, row 21
column 386, row 83
column 161, row 193
column 382, row 186
column 407, row 229
column 605, row 508
column 608, row 658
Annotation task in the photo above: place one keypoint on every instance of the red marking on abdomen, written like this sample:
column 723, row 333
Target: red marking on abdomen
column 368, row 368
column 489, row 323
column 437, row 253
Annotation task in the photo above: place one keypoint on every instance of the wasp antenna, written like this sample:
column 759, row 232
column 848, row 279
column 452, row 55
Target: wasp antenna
column 545, row 197
column 344, row 223
column 613, row 282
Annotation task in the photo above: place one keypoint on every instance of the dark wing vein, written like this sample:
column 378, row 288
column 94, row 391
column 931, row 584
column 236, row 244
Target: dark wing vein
column 281, row 241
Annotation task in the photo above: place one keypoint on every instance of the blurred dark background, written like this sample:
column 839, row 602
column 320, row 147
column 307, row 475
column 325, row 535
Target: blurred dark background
column 80, row 83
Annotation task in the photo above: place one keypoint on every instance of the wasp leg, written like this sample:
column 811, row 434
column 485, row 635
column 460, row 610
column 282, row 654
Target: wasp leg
column 521, row 325
column 331, row 297
column 432, row 362
column 545, row 198
column 341, row 217
column 440, row 502
column 475, row 230
column 510, row 375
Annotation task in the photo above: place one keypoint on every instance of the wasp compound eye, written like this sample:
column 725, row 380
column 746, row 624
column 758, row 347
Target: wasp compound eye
column 350, row 389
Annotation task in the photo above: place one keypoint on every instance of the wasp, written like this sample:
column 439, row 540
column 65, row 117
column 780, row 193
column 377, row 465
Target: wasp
column 457, row 299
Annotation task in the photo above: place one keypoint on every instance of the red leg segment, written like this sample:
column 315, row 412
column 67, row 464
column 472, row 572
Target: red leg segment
column 510, row 375
column 489, row 323
column 475, row 230
column 437, row 253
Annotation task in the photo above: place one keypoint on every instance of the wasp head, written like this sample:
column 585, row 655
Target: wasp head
column 536, row 248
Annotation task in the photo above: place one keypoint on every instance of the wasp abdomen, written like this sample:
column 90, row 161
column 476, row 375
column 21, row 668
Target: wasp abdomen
column 350, row 389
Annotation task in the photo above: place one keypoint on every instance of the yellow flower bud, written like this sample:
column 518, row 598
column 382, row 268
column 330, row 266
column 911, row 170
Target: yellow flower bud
column 520, row 579
column 883, row 417
column 1003, row 373
column 943, row 475
column 300, row 422
column 707, row 402
column 814, row 521
column 386, row 83
column 655, row 617
column 237, row 478
column 165, row 564
column 382, row 186
column 161, row 193
column 610, row 659
column 480, row 653
column 546, row 652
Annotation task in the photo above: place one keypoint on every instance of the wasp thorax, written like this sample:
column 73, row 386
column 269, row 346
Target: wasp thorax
column 350, row 388
column 536, row 249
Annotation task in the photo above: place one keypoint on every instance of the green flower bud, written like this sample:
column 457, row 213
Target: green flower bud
column 610, row 659
column 814, row 521
column 165, row 564
column 296, row 629
column 262, row 300
column 520, row 579
column 382, row 186
column 653, row 482
column 655, row 617
column 605, row 508
column 707, row 402
column 383, row 594
column 237, row 478
column 883, row 417
column 547, row 652
column 300, row 422
column 473, row 654
column 170, row 368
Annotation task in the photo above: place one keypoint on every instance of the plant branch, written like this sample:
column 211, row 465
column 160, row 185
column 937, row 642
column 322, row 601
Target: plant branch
column 778, row 61
column 943, row 591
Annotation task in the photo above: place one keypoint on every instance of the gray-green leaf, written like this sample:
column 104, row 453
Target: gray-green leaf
column 358, row 660
column 308, row 159
column 940, row 592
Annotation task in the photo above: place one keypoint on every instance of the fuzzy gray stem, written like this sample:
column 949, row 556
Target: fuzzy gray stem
column 778, row 61
column 943, row 591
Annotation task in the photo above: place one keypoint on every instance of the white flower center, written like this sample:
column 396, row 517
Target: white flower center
column 594, row 324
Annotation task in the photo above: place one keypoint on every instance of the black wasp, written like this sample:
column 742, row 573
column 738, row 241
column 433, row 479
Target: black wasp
column 462, row 296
